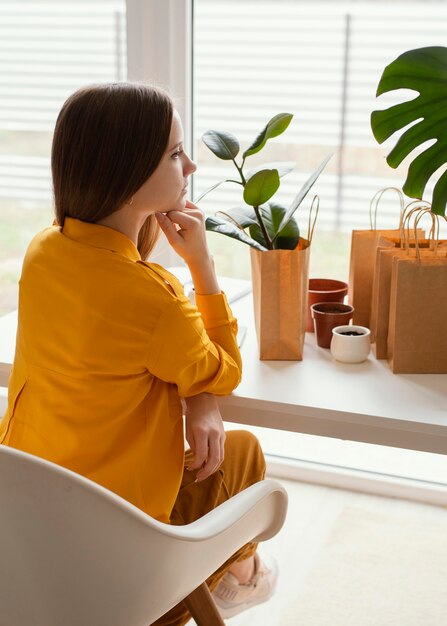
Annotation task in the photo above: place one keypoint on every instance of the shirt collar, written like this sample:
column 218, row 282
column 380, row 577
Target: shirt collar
column 100, row 236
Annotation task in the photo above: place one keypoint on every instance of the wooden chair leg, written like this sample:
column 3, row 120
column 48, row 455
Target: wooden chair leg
column 202, row 607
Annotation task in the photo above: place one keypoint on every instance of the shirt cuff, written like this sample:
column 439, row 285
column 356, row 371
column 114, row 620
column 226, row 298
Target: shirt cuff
column 214, row 309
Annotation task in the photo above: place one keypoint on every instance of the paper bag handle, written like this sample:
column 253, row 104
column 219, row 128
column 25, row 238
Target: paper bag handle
column 411, row 210
column 374, row 205
column 434, row 232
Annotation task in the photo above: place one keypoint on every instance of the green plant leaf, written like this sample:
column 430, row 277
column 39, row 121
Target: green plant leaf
column 283, row 169
column 241, row 216
column 207, row 191
column 261, row 187
column 287, row 237
column 303, row 193
column 423, row 70
column 267, row 218
column 217, row 225
column 272, row 215
column 256, row 234
column 222, row 143
column 276, row 126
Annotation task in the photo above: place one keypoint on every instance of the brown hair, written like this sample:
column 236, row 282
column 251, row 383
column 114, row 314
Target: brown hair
column 107, row 141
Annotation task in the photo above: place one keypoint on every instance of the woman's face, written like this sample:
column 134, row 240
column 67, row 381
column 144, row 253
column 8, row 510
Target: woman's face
column 166, row 189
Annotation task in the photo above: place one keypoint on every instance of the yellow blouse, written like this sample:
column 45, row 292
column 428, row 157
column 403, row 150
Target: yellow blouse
column 106, row 345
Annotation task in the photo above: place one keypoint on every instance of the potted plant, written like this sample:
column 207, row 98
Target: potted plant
column 279, row 254
column 423, row 70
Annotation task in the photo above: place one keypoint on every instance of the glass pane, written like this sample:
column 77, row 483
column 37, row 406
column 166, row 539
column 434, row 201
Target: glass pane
column 47, row 51
column 352, row 454
column 322, row 62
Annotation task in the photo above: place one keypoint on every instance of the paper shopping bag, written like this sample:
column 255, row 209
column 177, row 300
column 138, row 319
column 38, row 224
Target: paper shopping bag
column 363, row 257
column 417, row 332
column 361, row 271
column 387, row 249
column 280, row 285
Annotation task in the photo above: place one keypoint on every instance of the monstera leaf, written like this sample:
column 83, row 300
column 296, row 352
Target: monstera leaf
column 423, row 70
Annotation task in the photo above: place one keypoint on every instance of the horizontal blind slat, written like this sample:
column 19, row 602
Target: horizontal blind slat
column 290, row 56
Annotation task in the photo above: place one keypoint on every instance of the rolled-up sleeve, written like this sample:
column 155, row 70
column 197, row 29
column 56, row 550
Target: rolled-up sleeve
column 196, row 347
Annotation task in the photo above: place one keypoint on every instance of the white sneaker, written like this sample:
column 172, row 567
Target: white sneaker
column 233, row 598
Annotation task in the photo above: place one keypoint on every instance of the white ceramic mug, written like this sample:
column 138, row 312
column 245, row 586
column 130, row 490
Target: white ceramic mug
column 351, row 343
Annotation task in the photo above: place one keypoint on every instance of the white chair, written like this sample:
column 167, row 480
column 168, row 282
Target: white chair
column 75, row 554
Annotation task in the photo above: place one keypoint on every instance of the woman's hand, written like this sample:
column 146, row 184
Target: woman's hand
column 185, row 231
column 205, row 434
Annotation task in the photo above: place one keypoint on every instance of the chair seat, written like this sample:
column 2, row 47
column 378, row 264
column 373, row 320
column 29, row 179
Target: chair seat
column 74, row 553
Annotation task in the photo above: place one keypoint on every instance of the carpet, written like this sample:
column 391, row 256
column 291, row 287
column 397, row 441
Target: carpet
column 376, row 570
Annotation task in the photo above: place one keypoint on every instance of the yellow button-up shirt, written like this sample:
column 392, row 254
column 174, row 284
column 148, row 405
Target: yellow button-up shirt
column 106, row 345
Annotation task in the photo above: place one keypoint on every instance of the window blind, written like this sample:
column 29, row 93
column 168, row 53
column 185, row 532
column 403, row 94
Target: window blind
column 47, row 51
column 321, row 61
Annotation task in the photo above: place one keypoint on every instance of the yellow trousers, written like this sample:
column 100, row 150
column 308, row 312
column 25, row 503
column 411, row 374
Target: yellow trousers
column 243, row 466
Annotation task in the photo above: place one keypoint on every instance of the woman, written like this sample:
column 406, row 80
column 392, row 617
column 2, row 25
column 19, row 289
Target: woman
column 108, row 346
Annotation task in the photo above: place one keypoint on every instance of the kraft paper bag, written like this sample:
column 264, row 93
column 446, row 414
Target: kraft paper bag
column 361, row 271
column 417, row 332
column 363, row 258
column 387, row 249
column 280, row 286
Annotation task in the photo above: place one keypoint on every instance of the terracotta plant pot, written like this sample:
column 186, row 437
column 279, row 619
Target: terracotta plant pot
column 328, row 315
column 324, row 290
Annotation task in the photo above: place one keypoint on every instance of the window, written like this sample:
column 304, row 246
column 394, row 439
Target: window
column 252, row 59
column 321, row 61
column 47, row 51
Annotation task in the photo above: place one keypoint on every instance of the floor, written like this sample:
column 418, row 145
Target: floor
column 313, row 511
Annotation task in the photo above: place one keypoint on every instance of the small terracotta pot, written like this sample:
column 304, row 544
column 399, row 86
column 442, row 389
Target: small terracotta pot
column 324, row 290
column 328, row 315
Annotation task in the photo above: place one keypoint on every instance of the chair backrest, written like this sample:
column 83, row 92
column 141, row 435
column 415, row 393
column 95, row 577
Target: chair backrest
column 73, row 553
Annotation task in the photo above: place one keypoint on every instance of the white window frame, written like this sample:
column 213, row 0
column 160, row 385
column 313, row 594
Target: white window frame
column 159, row 51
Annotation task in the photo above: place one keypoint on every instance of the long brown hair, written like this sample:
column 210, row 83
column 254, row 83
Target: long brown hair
column 107, row 141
